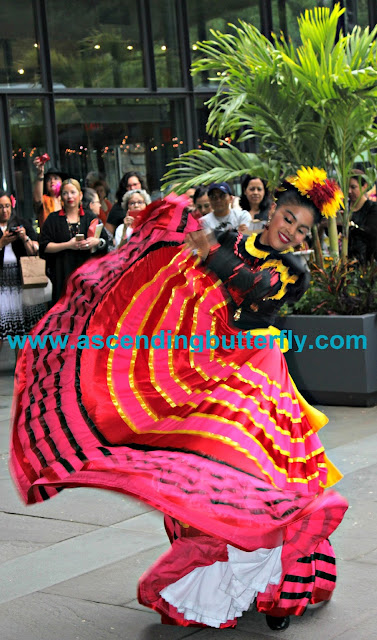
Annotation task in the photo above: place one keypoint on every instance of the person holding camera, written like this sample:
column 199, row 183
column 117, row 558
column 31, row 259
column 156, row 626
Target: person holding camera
column 68, row 237
column 17, row 238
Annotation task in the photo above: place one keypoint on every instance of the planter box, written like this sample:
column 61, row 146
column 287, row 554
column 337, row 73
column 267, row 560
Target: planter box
column 341, row 376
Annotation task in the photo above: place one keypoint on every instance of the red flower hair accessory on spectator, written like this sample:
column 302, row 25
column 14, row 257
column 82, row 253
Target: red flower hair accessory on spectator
column 12, row 201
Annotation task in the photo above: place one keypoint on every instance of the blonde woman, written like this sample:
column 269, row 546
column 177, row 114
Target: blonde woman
column 66, row 240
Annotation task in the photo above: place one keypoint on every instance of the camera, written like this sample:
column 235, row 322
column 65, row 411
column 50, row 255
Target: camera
column 13, row 229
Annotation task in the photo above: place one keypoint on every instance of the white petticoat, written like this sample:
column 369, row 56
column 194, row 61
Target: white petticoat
column 224, row 590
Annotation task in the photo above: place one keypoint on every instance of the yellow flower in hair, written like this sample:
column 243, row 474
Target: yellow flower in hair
column 306, row 177
column 332, row 206
column 325, row 194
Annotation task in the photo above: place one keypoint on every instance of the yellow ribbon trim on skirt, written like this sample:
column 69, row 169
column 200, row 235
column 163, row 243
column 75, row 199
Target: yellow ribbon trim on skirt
column 316, row 418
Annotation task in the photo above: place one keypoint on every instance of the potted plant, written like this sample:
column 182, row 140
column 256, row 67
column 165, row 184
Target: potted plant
column 333, row 332
column 310, row 105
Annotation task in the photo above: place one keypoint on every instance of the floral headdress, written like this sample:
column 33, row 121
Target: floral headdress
column 324, row 193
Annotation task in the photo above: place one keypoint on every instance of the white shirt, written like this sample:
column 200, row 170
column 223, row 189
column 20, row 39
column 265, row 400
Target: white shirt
column 231, row 221
column 9, row 255
column 119, row 234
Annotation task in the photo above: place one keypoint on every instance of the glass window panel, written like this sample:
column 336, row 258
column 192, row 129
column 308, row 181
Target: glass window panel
column 95, row 44
column 112, row 136
column 165, row 43
column 204, row 15
column 286, row 12
column 19, row 61
column 357, row 14
column 28, row 141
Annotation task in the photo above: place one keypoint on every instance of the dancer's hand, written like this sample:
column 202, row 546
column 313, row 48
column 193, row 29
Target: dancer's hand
column 198, row 241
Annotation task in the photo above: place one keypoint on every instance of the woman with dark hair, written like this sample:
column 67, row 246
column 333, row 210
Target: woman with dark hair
column 363, row 225
column 46, row 193
column 131, row 180
column 201, row 200
column 102, row 188
column 17, row 239
column 195, row 413
column 256, row 199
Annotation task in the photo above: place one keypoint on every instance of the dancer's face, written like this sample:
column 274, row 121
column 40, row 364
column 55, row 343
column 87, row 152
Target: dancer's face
column 289, row 226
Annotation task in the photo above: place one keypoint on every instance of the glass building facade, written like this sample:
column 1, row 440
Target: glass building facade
column 105, row 86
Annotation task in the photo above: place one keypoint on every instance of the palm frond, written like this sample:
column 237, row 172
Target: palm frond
column 217, row 164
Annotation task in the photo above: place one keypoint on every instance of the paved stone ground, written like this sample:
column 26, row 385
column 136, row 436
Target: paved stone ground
column 69, row 567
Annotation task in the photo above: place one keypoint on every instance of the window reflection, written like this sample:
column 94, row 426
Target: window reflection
column 96, row 48
column 357, row 14
column 28, row 141
column 204, row 15
column 19, row 63
column 165, row 43
column 111, row 137
column 285, row 14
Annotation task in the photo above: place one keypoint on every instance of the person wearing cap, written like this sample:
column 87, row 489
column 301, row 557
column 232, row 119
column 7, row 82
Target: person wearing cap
column 46, row 192
column 222, row 216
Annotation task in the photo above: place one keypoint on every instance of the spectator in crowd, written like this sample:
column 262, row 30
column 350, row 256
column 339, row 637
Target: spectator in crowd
column 65, row 241
column 92, row 205
column 46, row 193
column 17, row 238
column 201, row 200
column 132, row 202
column 256, row 199
column 222, row 216
column 363, row 225
column 189, row 193
column 102, row 189
column 130, row 181
column 91, row 178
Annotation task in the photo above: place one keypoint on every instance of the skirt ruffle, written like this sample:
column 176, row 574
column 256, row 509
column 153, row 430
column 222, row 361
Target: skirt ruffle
column 215, row 437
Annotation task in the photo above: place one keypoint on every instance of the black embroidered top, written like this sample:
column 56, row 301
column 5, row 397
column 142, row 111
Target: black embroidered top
column 259, row 279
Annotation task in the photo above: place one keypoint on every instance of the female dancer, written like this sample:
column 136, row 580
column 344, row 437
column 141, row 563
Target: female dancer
column 206, row 425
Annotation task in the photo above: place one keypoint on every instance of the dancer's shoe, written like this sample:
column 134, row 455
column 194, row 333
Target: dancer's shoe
column 277, row 624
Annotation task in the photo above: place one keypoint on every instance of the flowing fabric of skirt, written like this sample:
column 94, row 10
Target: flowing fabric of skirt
column 216, row 438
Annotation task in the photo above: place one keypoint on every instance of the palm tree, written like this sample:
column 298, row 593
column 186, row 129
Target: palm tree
column 310, row 105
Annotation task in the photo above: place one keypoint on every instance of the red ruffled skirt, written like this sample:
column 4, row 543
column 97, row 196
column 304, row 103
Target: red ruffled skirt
column 215, row 437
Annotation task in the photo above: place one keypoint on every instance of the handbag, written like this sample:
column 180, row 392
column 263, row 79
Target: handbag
column 33, row 272
column 38, row 295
